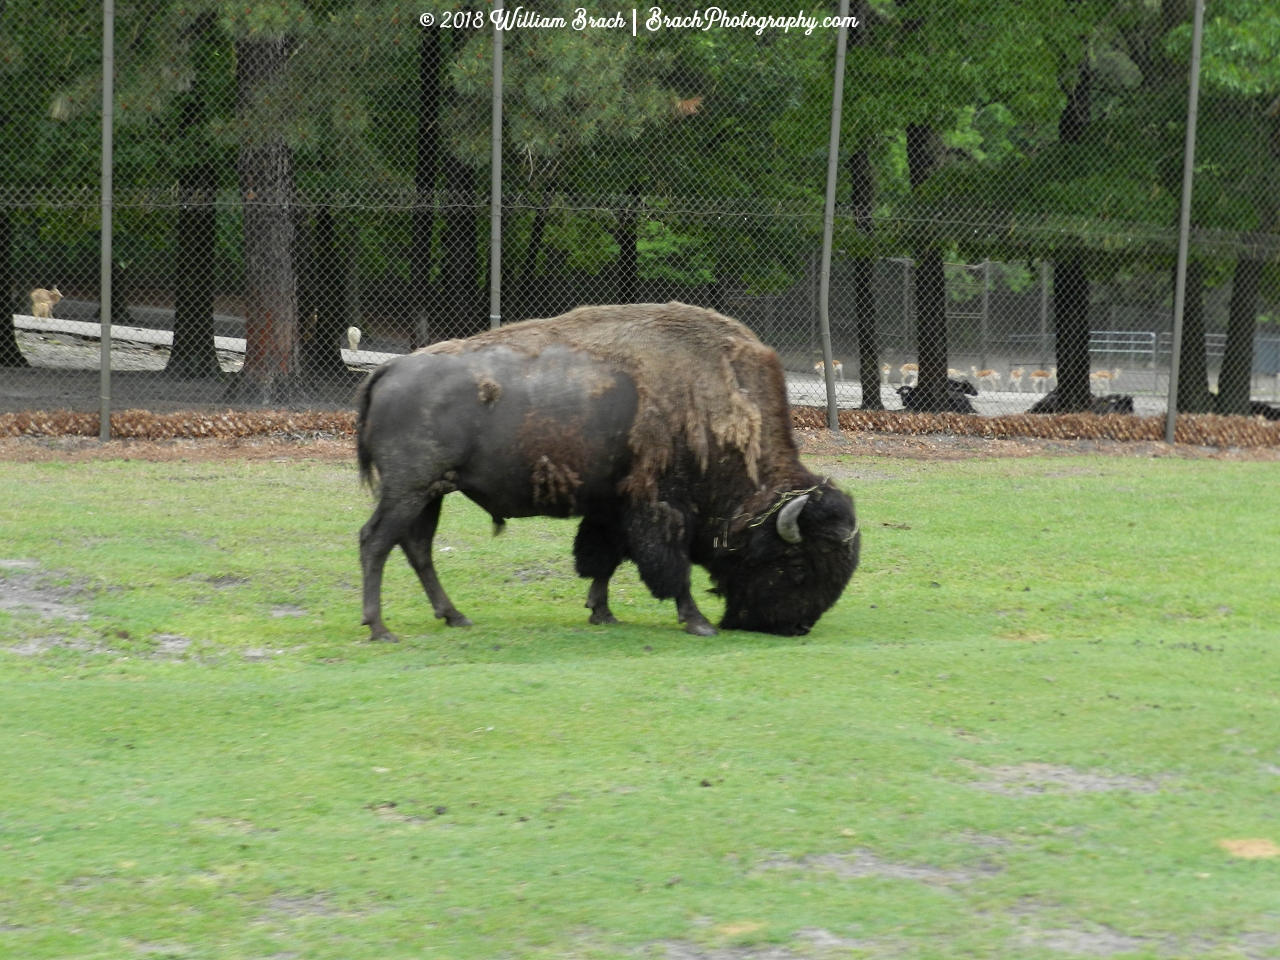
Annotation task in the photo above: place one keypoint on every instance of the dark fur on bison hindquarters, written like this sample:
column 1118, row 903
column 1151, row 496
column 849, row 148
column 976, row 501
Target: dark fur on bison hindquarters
column 773, row 586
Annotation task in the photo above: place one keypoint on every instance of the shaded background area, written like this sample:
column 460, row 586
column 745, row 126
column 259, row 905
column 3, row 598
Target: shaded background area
column 299, row 197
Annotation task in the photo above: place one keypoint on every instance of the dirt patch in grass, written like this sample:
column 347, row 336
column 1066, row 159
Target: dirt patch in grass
column 1094, row 942
column 24, row 590
column 863, row 863
column 810, row 942
column 35, row 646
column 1031, row 779
column 305, row 905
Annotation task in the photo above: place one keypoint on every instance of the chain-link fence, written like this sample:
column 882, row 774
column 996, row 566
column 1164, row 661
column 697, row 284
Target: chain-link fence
column 302, row 189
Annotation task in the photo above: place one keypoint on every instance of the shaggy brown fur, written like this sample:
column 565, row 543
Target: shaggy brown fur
column 557, row 454
column 702, row 378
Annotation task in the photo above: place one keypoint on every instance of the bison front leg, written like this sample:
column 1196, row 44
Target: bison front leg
column 597, row 550
column 416, row 544
column 658, row 541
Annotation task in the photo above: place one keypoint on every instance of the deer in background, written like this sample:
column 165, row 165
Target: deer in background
column 43, row 301
column 990, row 377
column 1039, row 378
column 911, row 370
column 1015, row 378
column 885, row 370
column 821, row 367
column 1105, row 379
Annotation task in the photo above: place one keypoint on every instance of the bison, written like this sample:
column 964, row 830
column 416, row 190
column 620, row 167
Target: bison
column 665, row 427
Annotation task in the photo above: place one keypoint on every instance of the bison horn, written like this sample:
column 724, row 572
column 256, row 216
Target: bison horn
column 788, row 519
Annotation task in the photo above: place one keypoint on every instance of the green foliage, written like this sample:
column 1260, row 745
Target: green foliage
column 666, row 254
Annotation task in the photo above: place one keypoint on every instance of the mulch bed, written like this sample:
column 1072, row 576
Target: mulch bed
column 1202, row 430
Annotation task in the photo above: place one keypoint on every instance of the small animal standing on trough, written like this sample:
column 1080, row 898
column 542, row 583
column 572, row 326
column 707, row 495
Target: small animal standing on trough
column 353, row 338
column 821, row 367
column 664, row 427
column 43, row 301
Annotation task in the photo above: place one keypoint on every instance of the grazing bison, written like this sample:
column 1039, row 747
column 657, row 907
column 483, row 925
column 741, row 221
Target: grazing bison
column 664, row 427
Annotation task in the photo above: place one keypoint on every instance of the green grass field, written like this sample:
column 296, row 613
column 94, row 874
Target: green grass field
column 1049, row 695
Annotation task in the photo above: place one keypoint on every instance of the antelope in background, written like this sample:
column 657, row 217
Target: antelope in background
column 1105, row 378
column 821, row 367
column 911, row 370
column 1015, row 378
column 1040, row 377
column 990, row 377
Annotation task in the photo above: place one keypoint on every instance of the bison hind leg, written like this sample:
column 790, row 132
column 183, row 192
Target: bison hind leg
column 598, row 548
column 416, row 544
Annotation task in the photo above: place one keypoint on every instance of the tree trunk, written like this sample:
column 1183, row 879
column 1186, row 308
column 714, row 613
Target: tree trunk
column 628, row 254
column 460, row 271
column 922, row 153
column 932, row 392
column 193, row 354
column 862, row 190
column 10, row 355
column 1071, row 331
column 931, row 331
column 325, row 300
column 524, row 301
column 1235, row 381
column 265, row 167
column 1075, row 117
column 864, row 319
column 1193, row 367
column 426, row 172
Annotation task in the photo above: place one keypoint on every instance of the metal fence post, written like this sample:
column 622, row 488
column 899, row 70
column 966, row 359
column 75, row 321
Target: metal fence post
column 1044, row 314
column 1184, row 224
column 495, row 188
column 104, row 300
column 828, row 224
column 986, row 311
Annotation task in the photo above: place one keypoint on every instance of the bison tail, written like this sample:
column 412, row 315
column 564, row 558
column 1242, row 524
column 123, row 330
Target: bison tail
column 364, row 456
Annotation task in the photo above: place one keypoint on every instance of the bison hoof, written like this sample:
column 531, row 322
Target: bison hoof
column 602, row 616
column 382, row 635
column 456, row 619
column 702, row 629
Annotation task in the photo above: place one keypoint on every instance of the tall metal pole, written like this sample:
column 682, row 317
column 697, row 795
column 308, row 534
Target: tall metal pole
column 986, row 309
column 104, row 301
column 828, row 225
column 1184, row 224
column 495, row 187
column 1044, row 313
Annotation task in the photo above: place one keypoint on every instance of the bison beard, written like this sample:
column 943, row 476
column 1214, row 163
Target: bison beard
column 664, row 427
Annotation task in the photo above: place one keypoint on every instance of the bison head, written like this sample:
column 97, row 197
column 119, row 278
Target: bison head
column 794, row 565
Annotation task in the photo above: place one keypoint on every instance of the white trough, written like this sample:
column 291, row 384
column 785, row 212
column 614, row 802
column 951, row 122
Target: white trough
column 164, row 338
